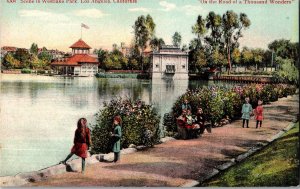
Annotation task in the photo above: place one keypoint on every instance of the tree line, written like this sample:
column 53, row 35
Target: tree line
column 28, row 59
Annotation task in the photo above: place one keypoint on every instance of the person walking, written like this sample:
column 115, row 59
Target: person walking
column 82, row 141
column 246, row 111
column 259, row 113
column 117, row 134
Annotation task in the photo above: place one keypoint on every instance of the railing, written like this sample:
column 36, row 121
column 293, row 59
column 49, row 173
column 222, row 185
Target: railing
column 170, row 71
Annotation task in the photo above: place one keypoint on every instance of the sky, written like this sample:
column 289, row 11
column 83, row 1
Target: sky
column 58, row 25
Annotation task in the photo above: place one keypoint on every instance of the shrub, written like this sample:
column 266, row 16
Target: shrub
column 218, row 103
column 140, row 125
column 26, row 71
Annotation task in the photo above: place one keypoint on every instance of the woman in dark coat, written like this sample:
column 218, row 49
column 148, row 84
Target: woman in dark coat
column 117, row 133
column 82, row 141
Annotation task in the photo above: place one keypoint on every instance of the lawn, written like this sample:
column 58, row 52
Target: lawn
column 276, row 165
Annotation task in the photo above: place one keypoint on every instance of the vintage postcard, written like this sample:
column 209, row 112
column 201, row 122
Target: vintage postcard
column 164, row 93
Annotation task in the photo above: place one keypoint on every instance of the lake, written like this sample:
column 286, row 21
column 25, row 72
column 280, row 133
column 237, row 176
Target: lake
column 38, row 114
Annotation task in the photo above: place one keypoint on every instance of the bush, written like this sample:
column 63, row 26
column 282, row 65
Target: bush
column 140, row 125
column 219, row 102
column 26, row 71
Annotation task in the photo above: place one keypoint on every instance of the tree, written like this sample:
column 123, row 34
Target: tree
column 156, row 43
column 176, row 39
column 285, row 49
column 184, row 47
column 45, row 57
column 34, row 49
column 236, row 56
column 36, row 63
column 232, row 25
column 24, row 57
column 199, row 30
column 144, row 29
column 247, row 57
column 213, row 24
column 11, row 62
column 287, row 71
column 200, row 59
column 217, row 59
column 258, row 57
column 102, row 54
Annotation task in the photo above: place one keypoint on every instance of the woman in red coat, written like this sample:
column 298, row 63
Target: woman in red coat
column 259, row 113
column 82, row 141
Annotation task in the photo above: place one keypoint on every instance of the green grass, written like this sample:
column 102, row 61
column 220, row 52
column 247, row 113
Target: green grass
column 276, row 165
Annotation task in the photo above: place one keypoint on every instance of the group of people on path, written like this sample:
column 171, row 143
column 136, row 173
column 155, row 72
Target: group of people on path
column 82, row 141
column 247, row 112
column 195, row 124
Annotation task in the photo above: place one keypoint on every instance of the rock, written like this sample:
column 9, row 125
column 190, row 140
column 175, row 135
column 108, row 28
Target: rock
column 209, row 175
column 226, row 165
column 276, row 136
column 128, row 151
column 189, row 184
column 290, row 126
column 12, row 181
column 247, row 154
column 166, row 139
column 74, row 165
column 132, row 146
column 92, row 160
column 108, row 157
column 141, row 148
column 54, row 170
column 31, row 176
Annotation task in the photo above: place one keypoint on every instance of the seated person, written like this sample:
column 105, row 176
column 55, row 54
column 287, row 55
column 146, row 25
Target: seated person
column 200, row 119
column 182, row 119
column 186, row 105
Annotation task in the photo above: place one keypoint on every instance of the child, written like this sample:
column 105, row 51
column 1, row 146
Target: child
column 189, row 117
column 259, row 113
column 82, row 141
column 117, row 122
column 246, row 111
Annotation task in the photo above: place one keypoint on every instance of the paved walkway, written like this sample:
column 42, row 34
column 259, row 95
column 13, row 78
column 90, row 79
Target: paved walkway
column 178, row 162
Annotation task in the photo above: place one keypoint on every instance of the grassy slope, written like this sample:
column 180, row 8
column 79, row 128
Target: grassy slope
column 276, row 165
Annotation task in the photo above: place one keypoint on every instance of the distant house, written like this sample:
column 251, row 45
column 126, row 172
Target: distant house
column 8, row 49
column 81, row 63
column 169, row 62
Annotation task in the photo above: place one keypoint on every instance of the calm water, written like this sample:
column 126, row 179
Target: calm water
column 38, row 114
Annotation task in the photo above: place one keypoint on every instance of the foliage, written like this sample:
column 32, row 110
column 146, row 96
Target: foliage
column 287, row 72
column 26, row 71
column 285, row 49
column 220, row 102
column 221, row 41
column 176, row 39
column 34, row 49
column 11, row 62
column 156, row 43
column 140, row 124
column 282, row 169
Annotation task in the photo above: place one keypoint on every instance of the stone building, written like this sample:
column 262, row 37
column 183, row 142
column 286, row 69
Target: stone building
column 81, row 63
column 169, row 62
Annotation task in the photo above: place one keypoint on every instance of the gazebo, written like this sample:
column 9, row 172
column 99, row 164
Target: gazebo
column 81, row 63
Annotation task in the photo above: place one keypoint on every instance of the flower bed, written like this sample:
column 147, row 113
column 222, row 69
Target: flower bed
column 220, row 102
column 140, row 125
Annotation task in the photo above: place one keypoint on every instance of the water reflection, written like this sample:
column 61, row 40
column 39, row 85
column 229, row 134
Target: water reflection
column 39, row 114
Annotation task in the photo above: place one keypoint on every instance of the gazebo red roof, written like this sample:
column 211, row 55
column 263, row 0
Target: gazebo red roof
column 80, row 44
column 76, row 60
